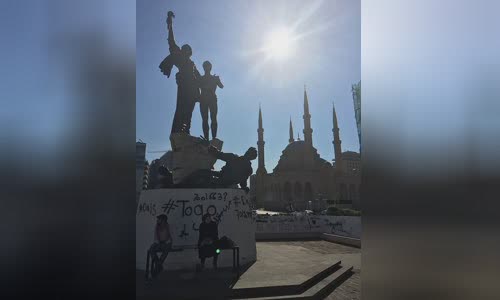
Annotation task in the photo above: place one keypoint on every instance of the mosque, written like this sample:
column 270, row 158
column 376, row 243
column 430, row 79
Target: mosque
column 302, row 179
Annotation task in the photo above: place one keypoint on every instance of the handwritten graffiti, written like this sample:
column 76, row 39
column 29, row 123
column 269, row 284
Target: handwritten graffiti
column 185, row 210
column 243, row 214
column 314, row 223
column 195, row 228
column 169, row 206
column 212, row 210
column 197, row 210
column 338, row 227
column 184, row 234
column 210, row 196
column 347, row 226
column 147, row 208
column 237, row 200
column 218, row 218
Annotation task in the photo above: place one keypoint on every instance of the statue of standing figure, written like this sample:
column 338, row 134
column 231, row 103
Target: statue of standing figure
column 187, row 79
column 208, row 99
column 188, row 156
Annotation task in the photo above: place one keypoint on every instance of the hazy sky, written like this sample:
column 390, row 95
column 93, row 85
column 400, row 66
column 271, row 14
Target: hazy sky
column 324, row 54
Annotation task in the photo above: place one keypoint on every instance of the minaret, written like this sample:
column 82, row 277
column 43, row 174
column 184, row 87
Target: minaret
column 291, row 140
column 307, row 121
column 261, row 169
column 336, row 141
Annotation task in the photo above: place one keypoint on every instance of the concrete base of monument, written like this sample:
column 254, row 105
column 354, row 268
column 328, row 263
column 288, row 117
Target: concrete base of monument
column 184, row 207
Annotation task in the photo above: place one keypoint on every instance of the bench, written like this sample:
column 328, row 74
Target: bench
column 236, row 257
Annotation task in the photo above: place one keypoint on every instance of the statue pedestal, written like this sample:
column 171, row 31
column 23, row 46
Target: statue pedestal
column 189, row 155
column 184, row 208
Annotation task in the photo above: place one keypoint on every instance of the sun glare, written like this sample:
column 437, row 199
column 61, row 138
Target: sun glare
column 275, row 45
column 279, row 44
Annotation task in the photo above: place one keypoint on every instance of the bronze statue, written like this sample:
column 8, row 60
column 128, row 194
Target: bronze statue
column 237, row 168
column 208, row 99
column 187, row 79
column 236, row 171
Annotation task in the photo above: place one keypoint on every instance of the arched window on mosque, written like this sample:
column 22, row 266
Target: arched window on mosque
column 288, row 191
column 308, row 192
column 352, row 192
column 343, row 192
column 279, row 193
column 298, row 190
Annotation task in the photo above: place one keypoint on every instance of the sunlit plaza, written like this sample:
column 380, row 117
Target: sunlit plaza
column 282, row 267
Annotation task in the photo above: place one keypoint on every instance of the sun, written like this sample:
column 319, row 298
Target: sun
column 279, row 43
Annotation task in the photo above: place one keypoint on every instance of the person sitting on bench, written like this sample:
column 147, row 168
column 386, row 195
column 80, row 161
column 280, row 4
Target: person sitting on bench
column 162, row 243
column 209, row 235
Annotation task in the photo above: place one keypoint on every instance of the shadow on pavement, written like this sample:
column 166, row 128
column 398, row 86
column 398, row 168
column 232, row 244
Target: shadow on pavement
column 188, row 284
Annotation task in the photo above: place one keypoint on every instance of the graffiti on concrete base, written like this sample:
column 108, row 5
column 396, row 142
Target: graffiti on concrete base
column 185, row 210
column 341, row 225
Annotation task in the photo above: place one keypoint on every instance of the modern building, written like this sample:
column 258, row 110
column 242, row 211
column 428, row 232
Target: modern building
column 140, row 162
column 356, row 98
column 166, row 161
column 348, row 181
column 145, row 177
column 302, row 179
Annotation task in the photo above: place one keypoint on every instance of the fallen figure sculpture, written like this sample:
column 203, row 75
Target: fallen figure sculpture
column 236, row 171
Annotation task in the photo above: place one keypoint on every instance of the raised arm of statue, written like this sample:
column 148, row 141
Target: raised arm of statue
column 226, row 156
column 221, row 155
column 219, row 83
column 169, row 61
column 171, row 41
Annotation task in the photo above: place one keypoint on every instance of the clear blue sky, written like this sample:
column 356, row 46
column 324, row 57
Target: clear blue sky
column 326, row 58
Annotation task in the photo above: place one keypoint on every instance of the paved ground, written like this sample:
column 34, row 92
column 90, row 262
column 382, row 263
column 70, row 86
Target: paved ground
column 278, row 263
column 350, row 289
column 292, row 263
column 308, row 253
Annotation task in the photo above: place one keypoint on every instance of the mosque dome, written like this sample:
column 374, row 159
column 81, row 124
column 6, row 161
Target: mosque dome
column 350, row 155
column 294, row 157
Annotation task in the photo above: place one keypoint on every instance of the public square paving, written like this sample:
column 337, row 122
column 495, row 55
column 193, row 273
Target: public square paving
column 278, row 263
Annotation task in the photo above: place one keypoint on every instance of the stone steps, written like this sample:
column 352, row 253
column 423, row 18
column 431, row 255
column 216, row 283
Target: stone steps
column 321, row 289
column 316, row 287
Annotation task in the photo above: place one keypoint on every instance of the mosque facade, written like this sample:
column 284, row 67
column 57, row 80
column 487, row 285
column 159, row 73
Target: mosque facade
column 302, row 179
